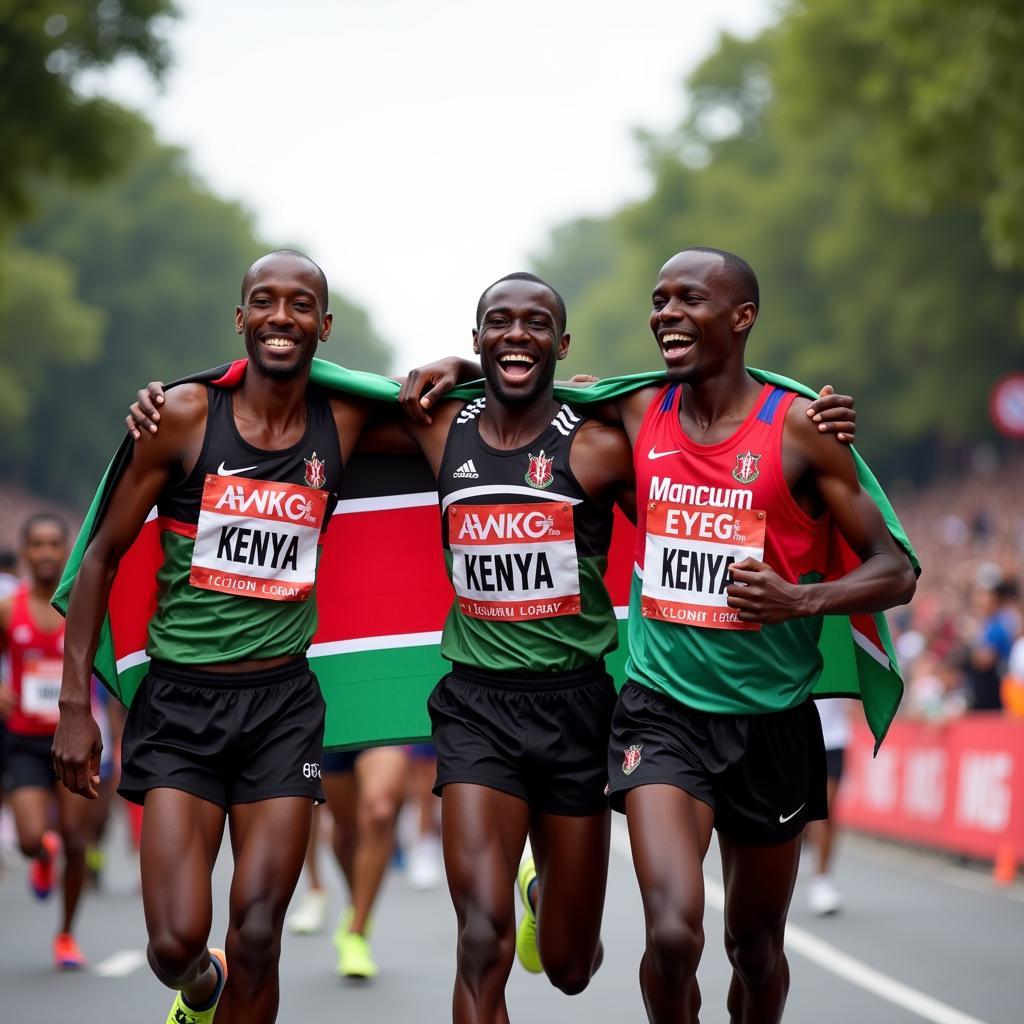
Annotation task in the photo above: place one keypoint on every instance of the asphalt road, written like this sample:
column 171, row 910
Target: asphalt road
column 920, row 940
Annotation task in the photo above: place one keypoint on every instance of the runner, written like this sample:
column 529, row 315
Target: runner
column 32, row 635
column 364, row 789
column 228, row 724
column 715, row 728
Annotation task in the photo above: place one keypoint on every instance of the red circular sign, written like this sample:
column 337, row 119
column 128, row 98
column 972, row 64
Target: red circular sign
column 1006, row 406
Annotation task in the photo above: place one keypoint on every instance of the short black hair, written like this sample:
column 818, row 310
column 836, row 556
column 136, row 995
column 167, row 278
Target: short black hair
column 324, row 296
column 523, row 275
column 8, row 560
column 44, row 517
column 738, row 272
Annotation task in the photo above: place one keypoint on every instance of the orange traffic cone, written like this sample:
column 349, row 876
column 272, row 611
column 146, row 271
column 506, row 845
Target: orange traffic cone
column 1004, row 870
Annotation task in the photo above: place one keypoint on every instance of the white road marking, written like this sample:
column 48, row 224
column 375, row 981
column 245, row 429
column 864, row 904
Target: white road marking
column 120, row 964
column 835, row 960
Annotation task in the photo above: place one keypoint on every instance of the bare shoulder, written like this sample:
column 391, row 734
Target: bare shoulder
column 601, row 440
column 821, row 450
column 184, row 404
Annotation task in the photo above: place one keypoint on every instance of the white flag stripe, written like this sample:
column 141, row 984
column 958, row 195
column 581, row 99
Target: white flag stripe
column 534, row 492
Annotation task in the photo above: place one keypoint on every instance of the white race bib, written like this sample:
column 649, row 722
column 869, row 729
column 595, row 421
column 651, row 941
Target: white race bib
column 40, row 687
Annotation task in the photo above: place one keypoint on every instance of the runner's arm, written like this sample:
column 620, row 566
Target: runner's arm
column 425, row 386
column 76, row 745
column 6, row 693
column 884, row 578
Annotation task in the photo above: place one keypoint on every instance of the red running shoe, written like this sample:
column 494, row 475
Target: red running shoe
column 43, row 871
column 66, row 954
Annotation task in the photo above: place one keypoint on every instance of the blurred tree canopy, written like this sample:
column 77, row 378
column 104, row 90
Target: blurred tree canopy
column 114, row 285
column 885, row 279
column 50, row 127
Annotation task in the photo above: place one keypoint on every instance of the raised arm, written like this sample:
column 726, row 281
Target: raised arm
column 76, row 745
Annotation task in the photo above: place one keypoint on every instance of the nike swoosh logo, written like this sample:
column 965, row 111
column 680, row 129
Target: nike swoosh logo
column 652, row 454
column 221, row 471
column 783, row 820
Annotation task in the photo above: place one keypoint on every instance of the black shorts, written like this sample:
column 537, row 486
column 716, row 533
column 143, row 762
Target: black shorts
column 540, row 737
column 835, row 761
column 227, row 738
column 763, row 775
column 29, row 762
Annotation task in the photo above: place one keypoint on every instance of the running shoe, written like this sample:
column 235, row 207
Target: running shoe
column 425, row 863
column 354, row 958
column 308, row 917
column 824, row 898
column 526, row 935
column 66, row 954
column 182, row 1013
column 43, row 871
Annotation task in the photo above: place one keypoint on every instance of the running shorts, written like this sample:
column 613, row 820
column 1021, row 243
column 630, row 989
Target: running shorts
column 763, row 775
column 228, row 738
column 540, row 737
column 29, row 762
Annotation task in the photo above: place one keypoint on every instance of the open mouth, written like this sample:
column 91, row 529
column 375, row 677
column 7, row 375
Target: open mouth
column 279, row 344
column 676, row 343
column 516, row 365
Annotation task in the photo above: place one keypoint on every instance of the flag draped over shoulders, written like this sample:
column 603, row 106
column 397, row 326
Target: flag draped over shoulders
column 383, row 593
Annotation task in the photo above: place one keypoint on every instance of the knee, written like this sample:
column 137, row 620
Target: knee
column 377, row 815
column 173, row 954
column 31, row 845
column 570, row 978
column 675, row 945
column 755, row 955
column 485, row 943
column 256, row 948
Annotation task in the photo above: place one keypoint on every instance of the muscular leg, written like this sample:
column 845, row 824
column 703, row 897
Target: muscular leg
column 759, row 884
column 181, row 835
column 823, row 833
column 340, row 791
column 572, row 874
column 77, row 825
column 30, row 806
column 269, row 840
column 483, row 832
column 312, row 862
column 381, row 777
column 670, row 831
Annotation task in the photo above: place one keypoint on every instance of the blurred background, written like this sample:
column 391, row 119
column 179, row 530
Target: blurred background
column 865, row 156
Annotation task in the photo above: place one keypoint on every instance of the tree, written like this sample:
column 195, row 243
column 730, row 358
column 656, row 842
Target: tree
column 157, row 260
column 50, row 126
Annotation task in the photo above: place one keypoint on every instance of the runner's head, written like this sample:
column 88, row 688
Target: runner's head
column 283, row 313
column 520, row 335
column 702, row 309
column 44, row 547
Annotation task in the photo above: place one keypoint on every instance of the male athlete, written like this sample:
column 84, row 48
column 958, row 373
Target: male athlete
column 32, row 636
column 521, row 723
column 228, row 724
column 715, row 728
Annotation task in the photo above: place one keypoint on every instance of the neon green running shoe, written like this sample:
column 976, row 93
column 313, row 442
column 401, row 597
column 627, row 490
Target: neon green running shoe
column 354, row 959
column 526, row 935
column 182, row 1013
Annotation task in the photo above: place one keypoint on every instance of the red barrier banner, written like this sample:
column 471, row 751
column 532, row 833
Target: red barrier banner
column 957, row 787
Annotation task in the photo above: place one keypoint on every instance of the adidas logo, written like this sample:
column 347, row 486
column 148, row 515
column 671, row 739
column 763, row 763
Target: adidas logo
column 467, row 471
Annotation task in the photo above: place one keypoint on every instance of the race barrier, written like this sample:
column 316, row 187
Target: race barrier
column 956, row 787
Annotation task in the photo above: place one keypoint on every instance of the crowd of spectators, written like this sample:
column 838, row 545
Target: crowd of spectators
column 960, row 641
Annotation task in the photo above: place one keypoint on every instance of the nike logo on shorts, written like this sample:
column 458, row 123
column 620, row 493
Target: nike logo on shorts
column 652, row 454
column 783, row 820
column 221, row 471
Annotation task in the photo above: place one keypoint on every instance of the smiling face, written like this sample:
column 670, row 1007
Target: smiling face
column 283, row 313
column 520, row 338
column 697, row 317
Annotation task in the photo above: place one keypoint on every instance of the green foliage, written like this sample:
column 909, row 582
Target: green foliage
column 898, row 303
column 133, row 280
column 50, row 126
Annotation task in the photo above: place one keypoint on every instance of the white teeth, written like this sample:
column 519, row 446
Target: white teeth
column 278, row 342
column 684, row 338
column 517, row 357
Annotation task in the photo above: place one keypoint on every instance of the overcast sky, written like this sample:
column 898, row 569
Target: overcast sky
column 419, row 151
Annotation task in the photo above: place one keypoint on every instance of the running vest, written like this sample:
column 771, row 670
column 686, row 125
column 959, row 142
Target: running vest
column 526, row 549
column 240, row 537
column 36, row 663
column 699, row 509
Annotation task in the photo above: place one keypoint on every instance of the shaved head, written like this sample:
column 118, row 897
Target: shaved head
column 735, row 271
column 295, row 257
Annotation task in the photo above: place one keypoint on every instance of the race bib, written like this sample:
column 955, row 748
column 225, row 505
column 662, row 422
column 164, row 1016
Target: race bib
column 40, row 687
column 257, row 538
column 514, row 562
column 688, row 552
